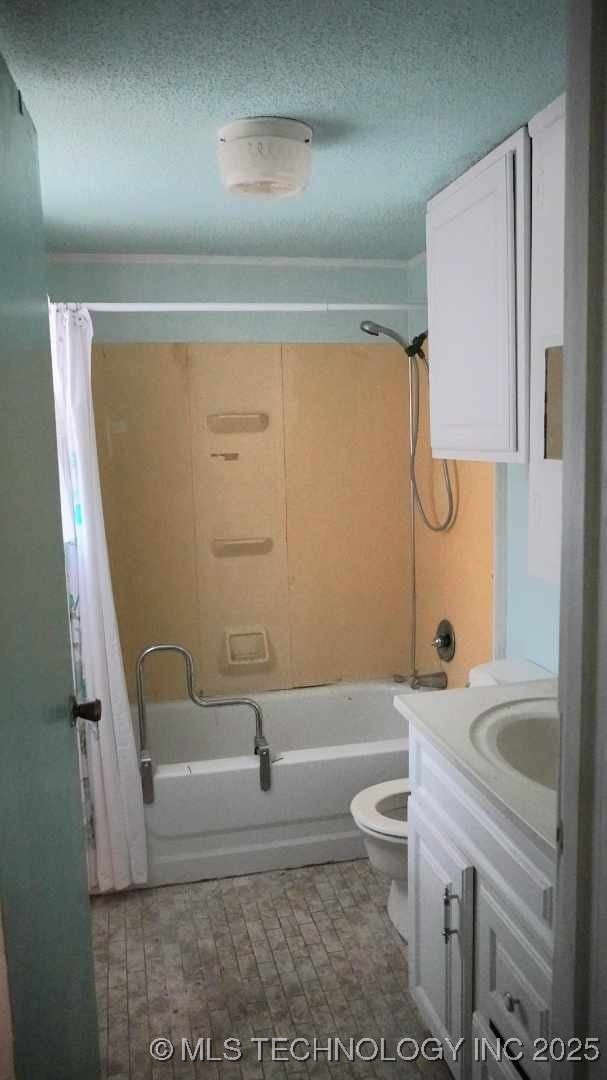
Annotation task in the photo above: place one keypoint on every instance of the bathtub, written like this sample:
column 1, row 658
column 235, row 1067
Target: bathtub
column 211, row 819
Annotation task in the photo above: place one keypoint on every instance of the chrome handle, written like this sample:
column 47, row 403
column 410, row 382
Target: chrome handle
column 448, row 896
column 441, row 641
column 84, row 710
column 510, row 1002
column 444, row 640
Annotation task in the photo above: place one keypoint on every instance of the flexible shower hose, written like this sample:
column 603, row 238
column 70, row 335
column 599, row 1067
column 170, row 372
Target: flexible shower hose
column 451, row 514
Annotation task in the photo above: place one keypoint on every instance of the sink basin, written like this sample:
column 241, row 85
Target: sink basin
column 522, row 736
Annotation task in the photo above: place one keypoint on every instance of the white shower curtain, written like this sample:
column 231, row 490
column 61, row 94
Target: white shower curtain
column 112, row 798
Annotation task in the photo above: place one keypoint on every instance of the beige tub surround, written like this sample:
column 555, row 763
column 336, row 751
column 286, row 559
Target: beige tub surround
column 142, row 418
column 348, row 519
column 237, row 446
column 257, row 512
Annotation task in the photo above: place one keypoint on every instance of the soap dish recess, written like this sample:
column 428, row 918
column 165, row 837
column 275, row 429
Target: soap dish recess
column 246, row 646
column 237, row 423
column 246, row 545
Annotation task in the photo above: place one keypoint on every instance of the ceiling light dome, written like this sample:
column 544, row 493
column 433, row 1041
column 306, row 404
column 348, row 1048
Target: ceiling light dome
column 265, row 156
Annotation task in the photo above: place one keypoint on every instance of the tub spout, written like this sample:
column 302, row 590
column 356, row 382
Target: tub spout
column 435, row 680
column 265, row 762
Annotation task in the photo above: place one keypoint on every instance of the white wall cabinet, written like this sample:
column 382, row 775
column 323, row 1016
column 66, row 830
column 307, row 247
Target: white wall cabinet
column 478, row 244
column 491, row 977
column 547, row 131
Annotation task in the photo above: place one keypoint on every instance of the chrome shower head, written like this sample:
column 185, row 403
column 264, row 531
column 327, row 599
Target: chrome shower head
column 369, row 327
column 375, row 329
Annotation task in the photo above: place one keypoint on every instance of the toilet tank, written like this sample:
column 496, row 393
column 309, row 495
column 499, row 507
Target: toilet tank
column 501, row 672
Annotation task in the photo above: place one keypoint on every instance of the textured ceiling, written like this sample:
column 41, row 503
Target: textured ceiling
column 402, row 94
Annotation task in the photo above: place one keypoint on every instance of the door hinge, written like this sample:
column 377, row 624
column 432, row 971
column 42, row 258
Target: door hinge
column 559, row 837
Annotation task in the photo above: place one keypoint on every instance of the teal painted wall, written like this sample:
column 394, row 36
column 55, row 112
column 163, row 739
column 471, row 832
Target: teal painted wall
column 191, row 282
column 43, row 887
column 532, row 606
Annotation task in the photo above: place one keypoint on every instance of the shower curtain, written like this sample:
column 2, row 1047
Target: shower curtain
column 111, row 787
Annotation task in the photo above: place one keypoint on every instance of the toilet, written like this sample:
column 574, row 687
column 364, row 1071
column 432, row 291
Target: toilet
column 380, row 811
column 381, row 815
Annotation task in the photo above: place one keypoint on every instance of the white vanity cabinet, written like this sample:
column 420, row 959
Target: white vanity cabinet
column 478, row 244
column 481, row 890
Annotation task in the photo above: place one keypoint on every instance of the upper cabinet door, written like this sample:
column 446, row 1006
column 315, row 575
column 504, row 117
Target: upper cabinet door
column 478, row 309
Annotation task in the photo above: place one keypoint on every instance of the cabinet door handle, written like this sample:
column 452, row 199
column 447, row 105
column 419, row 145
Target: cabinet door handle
column 510, row 1002
column 448, row 896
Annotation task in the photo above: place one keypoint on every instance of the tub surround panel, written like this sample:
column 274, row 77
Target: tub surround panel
column 142, row 415
column 322, row 485
column 239, row 492
column 348, row 517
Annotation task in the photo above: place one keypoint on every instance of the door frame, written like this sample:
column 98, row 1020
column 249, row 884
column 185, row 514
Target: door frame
column 580, row 979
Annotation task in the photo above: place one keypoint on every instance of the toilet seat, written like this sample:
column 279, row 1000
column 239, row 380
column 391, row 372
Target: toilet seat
column 364, row 808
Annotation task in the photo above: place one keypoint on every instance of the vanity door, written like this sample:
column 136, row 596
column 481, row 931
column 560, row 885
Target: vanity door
column 441, row 936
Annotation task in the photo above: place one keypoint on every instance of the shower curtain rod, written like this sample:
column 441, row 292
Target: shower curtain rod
column 123, row 308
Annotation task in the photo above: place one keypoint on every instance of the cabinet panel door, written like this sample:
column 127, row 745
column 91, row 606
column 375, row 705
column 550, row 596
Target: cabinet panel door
column 513, row 982
column 476, row 284
column 440, row 968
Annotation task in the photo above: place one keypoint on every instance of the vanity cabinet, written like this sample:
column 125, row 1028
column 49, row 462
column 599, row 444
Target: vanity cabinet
column 476, row 873
column 478, row 244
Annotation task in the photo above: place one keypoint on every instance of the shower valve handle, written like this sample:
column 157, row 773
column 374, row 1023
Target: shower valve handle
column 444, row 640
column 441, row 641
column 85, row 710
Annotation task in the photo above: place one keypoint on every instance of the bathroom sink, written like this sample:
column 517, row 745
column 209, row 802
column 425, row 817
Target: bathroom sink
column 522, row 736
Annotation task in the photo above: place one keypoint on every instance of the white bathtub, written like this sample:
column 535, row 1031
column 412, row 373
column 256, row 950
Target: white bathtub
column 210, row 817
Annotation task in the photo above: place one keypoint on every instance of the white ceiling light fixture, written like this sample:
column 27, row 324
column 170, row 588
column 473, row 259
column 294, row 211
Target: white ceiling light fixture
column 267, row 157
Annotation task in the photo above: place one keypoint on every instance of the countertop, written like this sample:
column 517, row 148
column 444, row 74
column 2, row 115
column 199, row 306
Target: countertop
column 445, row 718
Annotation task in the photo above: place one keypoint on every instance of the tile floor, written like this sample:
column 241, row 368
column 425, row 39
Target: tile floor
column 293, row 953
